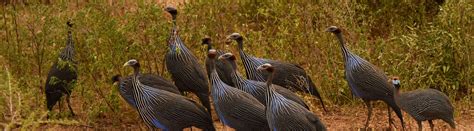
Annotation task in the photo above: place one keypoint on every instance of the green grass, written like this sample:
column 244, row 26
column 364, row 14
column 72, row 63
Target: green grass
column 407, row 39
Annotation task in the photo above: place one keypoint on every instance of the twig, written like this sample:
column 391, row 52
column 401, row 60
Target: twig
column 38, row 55
column 10, row 102
column 65, row 123
column 7, row 34
column 101, row 94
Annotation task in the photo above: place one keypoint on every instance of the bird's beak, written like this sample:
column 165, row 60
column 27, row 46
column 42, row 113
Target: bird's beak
column 328, row 30
column 126, row 64
column 259, row 68
column 228, row 40
column 115, row 83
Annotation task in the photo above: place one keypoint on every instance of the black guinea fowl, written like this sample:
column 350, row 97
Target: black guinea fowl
column 292, row 76
column 256, row 88
column 166, row 110
column 367, row 81
column 63, row 75
column 184, row 67
column 235, row 107
column 222, row 70
column 424, row 105
column 125, row 87
column 284, row 114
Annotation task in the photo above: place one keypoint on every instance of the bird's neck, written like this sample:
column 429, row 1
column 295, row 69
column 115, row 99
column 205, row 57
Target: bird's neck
column 209, row 46
column 240, row 43
column 236, row 76
column 269, row 91
column 216, row 82
column 396, row 95
column 68, row 52
column 270, row 78
column 346, row 52
column 136, row 74
column 396, row 92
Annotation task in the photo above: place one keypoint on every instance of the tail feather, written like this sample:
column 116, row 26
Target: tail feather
column 312, row 89
column 451, row 123
column 204, row 98
column 393, row 105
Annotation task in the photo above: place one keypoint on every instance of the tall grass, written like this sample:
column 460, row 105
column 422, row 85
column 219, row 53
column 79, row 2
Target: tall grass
column 428, row 46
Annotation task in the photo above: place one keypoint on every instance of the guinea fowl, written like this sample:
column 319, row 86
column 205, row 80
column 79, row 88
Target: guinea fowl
column 284, row 114
column 184, row 67
column 366, row 81
column 424, row 104
column 291, row 76
column 222, row 70
column 166, row 110
column 235, row 107
column 62, row 76
column 256, row 88
column 125, row 87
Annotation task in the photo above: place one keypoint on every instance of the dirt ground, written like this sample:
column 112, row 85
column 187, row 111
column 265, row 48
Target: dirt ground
column 337, row 118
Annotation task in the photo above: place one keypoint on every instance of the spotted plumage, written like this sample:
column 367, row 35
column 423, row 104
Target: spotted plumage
column 63, row 75
column 255, row 88
column 235, row 107
column 425, row 105
column 184, row 67
column 284, row 114
column 125, row 87
column 165, row 110
column 291, row 76
column 366, row 81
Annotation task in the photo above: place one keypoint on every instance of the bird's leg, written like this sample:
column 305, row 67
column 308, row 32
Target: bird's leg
column 369, row 113
column 390, row 120
column 420, row 126
column 69, row 104
column 59, row 105
column 431, row 124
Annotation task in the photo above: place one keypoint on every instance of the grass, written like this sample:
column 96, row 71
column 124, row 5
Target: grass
column 428, row 46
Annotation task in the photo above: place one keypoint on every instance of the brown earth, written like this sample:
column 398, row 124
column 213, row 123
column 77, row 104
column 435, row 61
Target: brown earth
column 347, row 117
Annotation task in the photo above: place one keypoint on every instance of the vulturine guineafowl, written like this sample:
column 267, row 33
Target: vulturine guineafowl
column 222, row 70
column 366, row 81
column 125, row 85
column 292, row 76
column 256, row 88
column 184, row 67
column 235, row 107
column 284, row 114
column 424, row 105
column 63, row 75
column 165, row 110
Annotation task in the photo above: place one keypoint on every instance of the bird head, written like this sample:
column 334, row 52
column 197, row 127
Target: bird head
column 395, row 81
column 233, row 36
column 206, row 40
column 266, row 67
column 116, row 78
column 227, row 56
column 333, row 29
column 132, row 63
column 172, row 10
column 212, row 54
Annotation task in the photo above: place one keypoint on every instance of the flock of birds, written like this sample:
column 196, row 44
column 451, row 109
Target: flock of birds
column 263, row 100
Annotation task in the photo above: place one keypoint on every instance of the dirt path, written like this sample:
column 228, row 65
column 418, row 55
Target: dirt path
column 338, row 118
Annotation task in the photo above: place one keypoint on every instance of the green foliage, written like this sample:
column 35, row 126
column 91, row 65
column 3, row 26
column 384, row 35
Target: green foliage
column 428, row 46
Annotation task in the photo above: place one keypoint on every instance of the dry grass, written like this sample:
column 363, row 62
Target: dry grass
column 426, row 49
